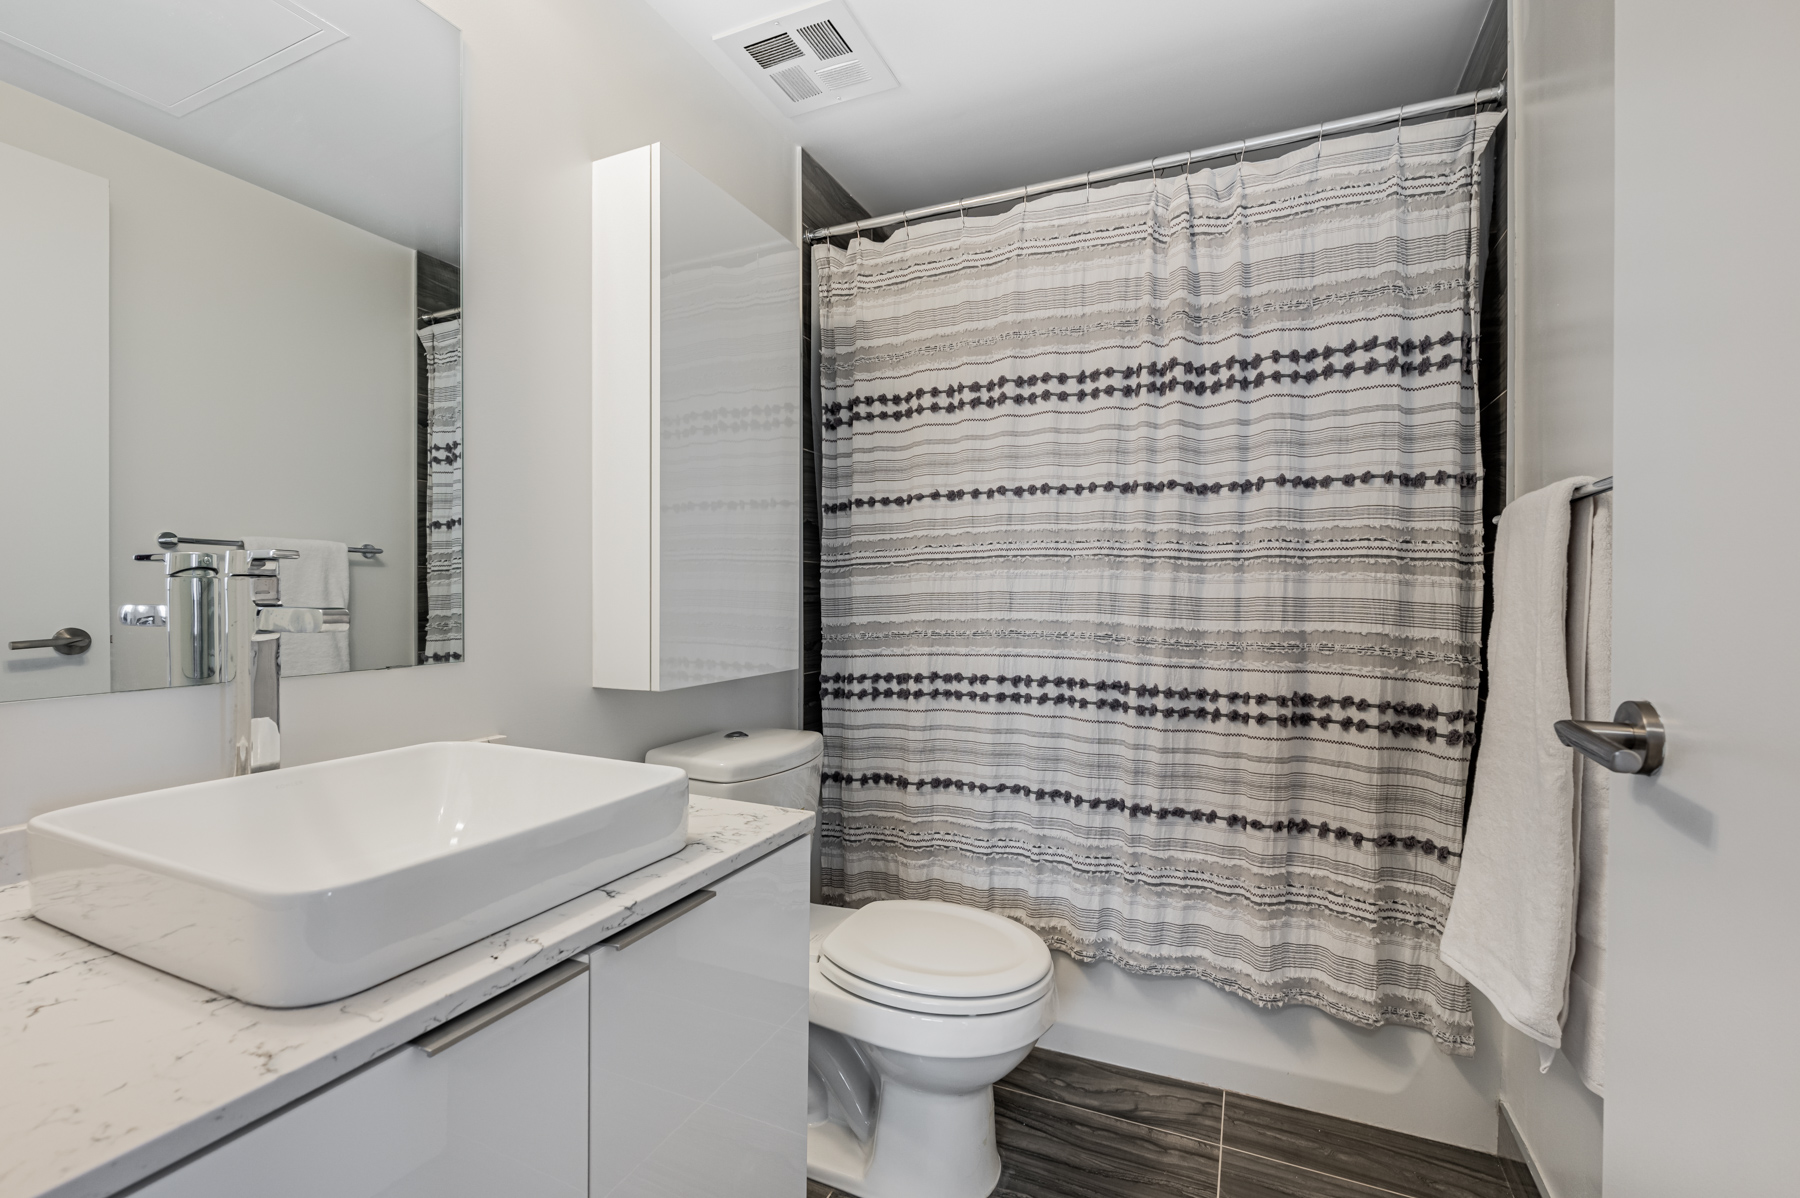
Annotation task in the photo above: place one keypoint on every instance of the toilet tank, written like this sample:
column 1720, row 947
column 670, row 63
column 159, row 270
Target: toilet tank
column 778, row 767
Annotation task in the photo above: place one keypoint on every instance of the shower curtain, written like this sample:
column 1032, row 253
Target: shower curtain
column 442, row 620
column 1152, row 568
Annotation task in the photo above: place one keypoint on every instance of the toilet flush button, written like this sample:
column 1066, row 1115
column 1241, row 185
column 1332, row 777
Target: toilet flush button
column 941, row 949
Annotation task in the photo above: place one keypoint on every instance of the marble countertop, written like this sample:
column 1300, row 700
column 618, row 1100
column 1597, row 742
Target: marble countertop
column 111, row 1070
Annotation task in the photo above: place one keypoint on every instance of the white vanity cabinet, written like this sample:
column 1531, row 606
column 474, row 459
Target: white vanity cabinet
column 696, row 430
column 668, row 1062
column 502, row 1110
column 699, row 1044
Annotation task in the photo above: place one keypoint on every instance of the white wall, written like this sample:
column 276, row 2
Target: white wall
column 263, row 377
column 1560, row 381
column 1559, row 1121
column 551, row 86
column 1560, row 233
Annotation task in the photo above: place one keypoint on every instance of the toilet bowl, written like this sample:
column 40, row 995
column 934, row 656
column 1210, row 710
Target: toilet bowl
column 916, row 1010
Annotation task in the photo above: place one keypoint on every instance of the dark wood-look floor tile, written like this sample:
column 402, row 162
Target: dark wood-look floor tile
column 816, row 1189
column 1518, row 1175
column 1242, row 1175
column 1009, row 1185
column 1409, row 1165
column 1161, row 1102
column 1054, row 1150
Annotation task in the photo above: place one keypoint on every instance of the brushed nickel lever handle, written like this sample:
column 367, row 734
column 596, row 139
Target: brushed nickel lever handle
column 1631, row 744
column 67, row 641
column 662, row 919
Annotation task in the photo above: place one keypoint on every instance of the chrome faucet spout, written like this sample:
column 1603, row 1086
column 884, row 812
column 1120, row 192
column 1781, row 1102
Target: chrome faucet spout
column 255, row 623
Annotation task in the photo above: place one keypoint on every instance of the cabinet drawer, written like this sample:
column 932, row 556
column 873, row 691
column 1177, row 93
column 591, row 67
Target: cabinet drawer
column 500, row 1112
column 699, row 1045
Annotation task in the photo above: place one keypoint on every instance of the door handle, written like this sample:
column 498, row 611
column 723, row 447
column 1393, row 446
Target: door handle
column 1631, row 744
column 67, row 641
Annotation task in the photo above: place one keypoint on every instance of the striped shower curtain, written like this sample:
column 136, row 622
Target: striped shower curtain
column 1151, row 569
column 441, row 623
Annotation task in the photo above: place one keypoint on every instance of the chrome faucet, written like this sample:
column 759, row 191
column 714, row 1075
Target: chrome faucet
column 225, row 624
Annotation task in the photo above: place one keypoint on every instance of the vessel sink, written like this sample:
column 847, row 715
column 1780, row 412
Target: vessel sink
column 303, row 885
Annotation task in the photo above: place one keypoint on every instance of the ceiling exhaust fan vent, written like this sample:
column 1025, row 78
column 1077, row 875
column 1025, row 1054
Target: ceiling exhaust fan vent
column 825, row 40
column 773, row 51
column 844, row 74
column 803, row 61
column 797, row 84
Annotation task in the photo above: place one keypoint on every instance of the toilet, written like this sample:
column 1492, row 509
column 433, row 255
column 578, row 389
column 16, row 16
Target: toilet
column 916, row 1010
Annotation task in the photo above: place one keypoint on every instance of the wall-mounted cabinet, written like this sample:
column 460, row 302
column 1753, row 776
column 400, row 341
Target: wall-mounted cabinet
column 696, row 337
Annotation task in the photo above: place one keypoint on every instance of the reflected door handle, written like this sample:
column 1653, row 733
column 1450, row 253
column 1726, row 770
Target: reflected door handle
column 67, row 641
column 1631, row 744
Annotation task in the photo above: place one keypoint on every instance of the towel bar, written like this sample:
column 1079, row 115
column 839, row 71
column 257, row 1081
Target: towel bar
column 169, row 540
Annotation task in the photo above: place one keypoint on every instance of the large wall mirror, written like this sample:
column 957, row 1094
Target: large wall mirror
column 230, row 311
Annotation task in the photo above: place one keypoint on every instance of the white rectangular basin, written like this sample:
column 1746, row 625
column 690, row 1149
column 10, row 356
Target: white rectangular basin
column 303, row 885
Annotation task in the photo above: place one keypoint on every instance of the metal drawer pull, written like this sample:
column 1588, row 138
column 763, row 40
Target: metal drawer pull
column 1631, row 744
column 661, row 919
column 450, row 1034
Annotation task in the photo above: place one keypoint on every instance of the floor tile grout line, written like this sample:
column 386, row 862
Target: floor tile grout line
column 1373, row 1189
column 1511, row 1189
column 1088, row 1110
column 1219, row 1176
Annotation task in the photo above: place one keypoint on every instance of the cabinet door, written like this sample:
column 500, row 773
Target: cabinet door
column 499, row 1114
column 699, row 1046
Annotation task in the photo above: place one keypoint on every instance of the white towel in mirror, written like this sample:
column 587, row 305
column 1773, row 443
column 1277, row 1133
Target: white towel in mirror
column 319, row 577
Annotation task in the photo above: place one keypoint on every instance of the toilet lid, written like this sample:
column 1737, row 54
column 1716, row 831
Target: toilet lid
column 940, row 949
column 931, row 1004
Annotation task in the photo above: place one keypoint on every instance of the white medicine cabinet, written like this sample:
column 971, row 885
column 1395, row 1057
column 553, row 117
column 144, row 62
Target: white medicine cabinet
column 696, row 431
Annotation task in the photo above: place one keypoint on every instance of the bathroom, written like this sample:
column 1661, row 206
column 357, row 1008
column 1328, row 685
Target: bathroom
column 254, row 367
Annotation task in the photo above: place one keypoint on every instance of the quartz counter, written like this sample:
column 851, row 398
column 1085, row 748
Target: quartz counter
column 111, row 1071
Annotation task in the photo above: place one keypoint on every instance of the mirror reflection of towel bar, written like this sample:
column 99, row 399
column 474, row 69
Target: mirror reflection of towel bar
column 170, row 541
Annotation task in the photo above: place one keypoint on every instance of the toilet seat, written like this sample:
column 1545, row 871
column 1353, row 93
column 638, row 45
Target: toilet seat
column 941, row 952
column 932, row 1004
column 924, row 1033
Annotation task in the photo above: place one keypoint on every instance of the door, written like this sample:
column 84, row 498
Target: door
column 54, row 278
column 492, row 1104
column 1703, row 1059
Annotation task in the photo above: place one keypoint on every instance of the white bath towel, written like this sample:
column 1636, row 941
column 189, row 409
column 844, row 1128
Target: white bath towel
column 319, row 577
column 1590, row 684
column 1511, row 929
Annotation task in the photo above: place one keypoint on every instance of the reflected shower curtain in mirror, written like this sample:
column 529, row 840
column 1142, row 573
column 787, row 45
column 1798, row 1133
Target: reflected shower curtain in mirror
column 1152, row 569
column 442, row 620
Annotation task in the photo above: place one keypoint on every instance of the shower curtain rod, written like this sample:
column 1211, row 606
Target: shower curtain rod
column 1387, row 116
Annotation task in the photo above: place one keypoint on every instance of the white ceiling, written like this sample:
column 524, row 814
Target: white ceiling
column 998, row 93
column 367, row 129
